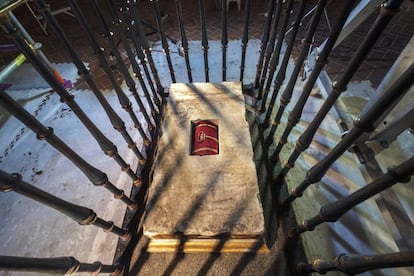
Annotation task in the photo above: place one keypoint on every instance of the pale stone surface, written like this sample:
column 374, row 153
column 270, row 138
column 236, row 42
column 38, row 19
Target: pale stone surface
column 205, row 195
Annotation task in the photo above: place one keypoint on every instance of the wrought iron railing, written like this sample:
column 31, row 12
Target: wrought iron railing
column 269, row 80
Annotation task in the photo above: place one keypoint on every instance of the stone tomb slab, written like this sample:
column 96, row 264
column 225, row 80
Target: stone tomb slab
column 210, row 202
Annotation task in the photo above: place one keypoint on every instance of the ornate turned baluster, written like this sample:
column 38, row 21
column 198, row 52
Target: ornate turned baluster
column 96, row 176
column 287, row 93
column 116, row 121
column 61, row 265
column 274, row 60
column 164, row 42
column 124, row 70
column 356, row 264
column 109, row 36
column 245, row 39
column 117, row 22
column 130, row 13
column 366, row 123
column 105, row 144
column 303, row 142
column 265, row 39
column 281, row 73
column 80, row 214
column 224, row 39
column 272, row 40
column 295, row 114
column 184, row 41
column 204, row 38
column 333, row 211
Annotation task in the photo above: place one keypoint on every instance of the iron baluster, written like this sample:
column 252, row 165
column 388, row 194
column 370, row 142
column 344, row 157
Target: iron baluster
column 105, row 144
column 204, row 38
column 265, row 39
column 129, row 7
column 366, row 123
column 123, row 99
column 124, row 71
column 333, row 211
column 281, row 73
column 287, row 93
column 295, row 114
column 61, row 265
column 184, row 41
column 275, row 56
column 272, row 40
column 117, row 22
column 116, row 121
column 245, row 39
column 164, row 42
column 355, row 264
column 80, row 214
column 97, row 177
column 224, row 39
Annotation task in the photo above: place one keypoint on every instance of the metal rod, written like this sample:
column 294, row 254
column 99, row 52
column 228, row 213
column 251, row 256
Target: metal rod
column 184, row 41
column 124, row 70
column 116, row 121
column 80, row 214
column 61, row 265
column 105, row 144
column 281, row 73
column 295, row 114
column 265, row 39
column 274, row 61
column 224, row 39
column 117, row 22
column 333, row 211
column 366, row 123
column 245, row 39
column 355, row 264
column 287, row 93
column 272, row 40
column 204, row 38
column 97, row 177
column 130, row 12
column 164, row 42
column 109, row 36
column 123, row 99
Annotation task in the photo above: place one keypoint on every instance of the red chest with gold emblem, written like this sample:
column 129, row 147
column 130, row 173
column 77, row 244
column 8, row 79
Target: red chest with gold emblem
column 204, row 138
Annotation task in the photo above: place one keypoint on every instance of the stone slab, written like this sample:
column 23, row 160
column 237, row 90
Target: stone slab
column 211, row 195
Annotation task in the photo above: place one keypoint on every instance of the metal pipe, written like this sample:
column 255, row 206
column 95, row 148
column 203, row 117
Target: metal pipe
column 6, row 71
column 116, row 121
column 271, row 45
column 204, row 38
column 366, row 123
column 295, row 114
column 287, row 93
column 80, row 214
column 184, row 41
column 245, row 39
column 97, row 177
